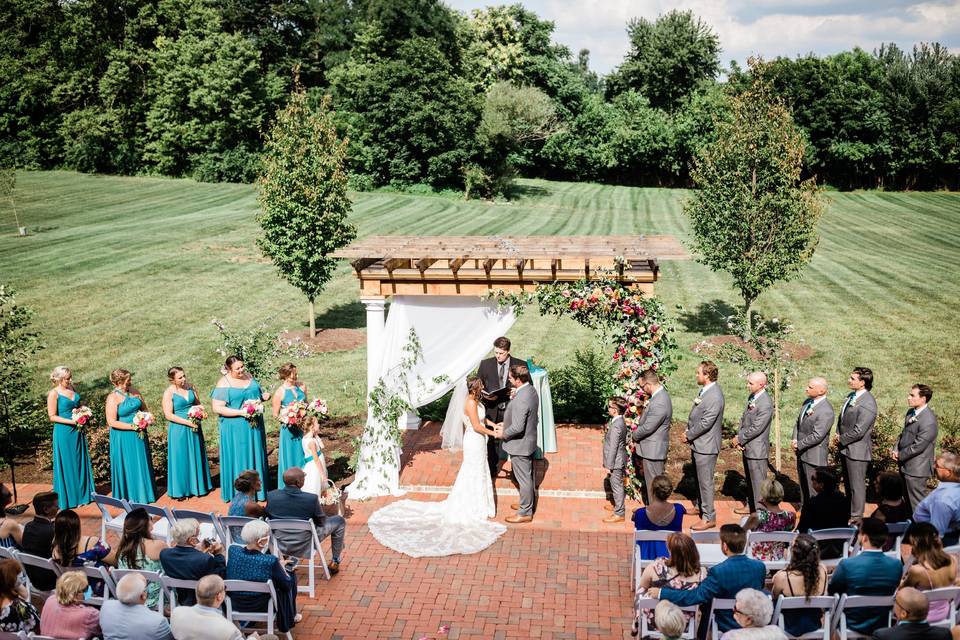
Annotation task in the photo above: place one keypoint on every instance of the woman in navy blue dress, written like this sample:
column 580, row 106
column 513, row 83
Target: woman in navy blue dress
column 659, row 515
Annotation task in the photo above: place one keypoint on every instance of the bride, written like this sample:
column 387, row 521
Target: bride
column 457, row 525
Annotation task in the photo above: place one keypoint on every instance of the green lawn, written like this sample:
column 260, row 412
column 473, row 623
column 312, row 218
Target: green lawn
column 128, row 272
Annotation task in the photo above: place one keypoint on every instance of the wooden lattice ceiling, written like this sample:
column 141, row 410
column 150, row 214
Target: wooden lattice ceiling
column 473, row 265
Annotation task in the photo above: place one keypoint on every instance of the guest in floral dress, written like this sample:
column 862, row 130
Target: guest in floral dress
column 770, row 517
column 680, row 570
column 16, row 612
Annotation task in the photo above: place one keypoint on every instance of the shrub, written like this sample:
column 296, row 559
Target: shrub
column 580, row 390
column 233, row 165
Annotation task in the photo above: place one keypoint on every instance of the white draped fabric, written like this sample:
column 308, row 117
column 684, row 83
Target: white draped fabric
column 454, row 334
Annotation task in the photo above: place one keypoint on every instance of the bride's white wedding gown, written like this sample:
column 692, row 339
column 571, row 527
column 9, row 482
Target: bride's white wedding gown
column 459, row 524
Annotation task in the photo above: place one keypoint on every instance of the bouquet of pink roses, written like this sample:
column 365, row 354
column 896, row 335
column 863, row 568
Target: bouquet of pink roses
column 318, row 409
column 197, row 414
column 83, row 416
column 252, row 409
column 143, row 421
column 293, row 414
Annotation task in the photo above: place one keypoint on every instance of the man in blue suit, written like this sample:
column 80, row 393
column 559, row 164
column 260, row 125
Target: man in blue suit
column 293, row 502
column 871, row 573
column 187, row 562
column 723, row 581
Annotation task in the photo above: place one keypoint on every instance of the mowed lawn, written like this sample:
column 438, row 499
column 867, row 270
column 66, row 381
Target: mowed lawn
column 128, row 272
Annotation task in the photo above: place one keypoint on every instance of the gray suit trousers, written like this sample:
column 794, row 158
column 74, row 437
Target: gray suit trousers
column 706, row 465
column 651, row 469
column 916, row 489
column 615, row 478
column 855, row 478
column 755, row 469
column 523, row 471
column 804, row 471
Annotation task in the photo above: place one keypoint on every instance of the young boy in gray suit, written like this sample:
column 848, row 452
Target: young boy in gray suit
column 615, row 456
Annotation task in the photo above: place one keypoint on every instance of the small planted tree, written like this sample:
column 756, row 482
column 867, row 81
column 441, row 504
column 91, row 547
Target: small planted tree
column 752, row 215
column 8, row 182
column 303, row 196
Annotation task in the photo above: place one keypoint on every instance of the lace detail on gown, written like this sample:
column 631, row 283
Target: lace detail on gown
column 457, row 525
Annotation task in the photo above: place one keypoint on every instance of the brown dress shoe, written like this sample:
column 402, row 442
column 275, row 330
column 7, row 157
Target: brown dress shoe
column 608, row 507
column 613, row 518
column 515, row 506
column 334, row 568
column 742, row 511
column 518, row 519
column 703, row 525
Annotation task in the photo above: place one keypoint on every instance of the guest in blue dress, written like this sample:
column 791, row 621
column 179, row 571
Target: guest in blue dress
column 291, row 437
column 188, row 473
column 244, row 502
column 73, row 549
column 131, row 467
column 249, row 562
column 660, row 515
column 72, row 471
column 243, row 443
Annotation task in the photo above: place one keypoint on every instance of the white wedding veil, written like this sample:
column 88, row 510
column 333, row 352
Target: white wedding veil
column 452, row 430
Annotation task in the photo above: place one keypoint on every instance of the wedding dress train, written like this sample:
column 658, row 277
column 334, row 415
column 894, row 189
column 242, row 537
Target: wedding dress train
column 457, row 525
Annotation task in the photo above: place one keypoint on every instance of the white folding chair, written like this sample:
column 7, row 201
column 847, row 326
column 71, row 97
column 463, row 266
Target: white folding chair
column 896, row 529
column 842, row 534
column 785, row 538
column 706, row 537
column 233, row 586
column 43, row 564
column 9, row 635
column 170, row 586
column 636, row 562
column 288, row 525
column 720, row 604
column 641, row 604
column 209, row 525
column 856, row 602
column 826, row 604
column 951, row 594
column 150, row 576
column 231, row 527
column 160, row 528
column 96, row 573
column 108, row 521
column 6, row 553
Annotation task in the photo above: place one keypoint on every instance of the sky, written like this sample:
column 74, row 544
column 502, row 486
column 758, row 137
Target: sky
column 769, row 28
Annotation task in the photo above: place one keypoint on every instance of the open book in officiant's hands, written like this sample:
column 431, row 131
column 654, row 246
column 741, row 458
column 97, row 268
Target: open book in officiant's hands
column 499, row 395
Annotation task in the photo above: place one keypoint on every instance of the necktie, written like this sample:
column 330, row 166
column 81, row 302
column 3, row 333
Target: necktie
column 911, row 413
column 503, row 374
column 751, row 398
column 702, row 389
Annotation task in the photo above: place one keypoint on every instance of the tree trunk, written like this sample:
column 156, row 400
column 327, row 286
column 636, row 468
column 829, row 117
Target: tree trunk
column 747, row 322
column 776, row 414
column 313, row 321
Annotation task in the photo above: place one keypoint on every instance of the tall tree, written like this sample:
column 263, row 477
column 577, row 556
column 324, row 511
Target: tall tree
column 303, row 196
column 752, row 215
column 19, row 342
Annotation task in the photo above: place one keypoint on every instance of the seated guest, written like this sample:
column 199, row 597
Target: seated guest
column 680, row 570
column 659, row 515
column 893, row 506
column 251, row 562
column 670, row 619
column 910, row 613
column 191, row 559
column 138, row 550
column 932, row 568
column 829, row 509
column 11, row 531
column 941, row 507
column 128, row 618
column 244, row 502
column 70, row 547
column 752, row 612
column 871, row 573
column 38, row 538
column 292, row 502
column 204, row 620
column 804, row 576
column 770, row 517
column 724, row 580
column 64, row 614
column 16, row 612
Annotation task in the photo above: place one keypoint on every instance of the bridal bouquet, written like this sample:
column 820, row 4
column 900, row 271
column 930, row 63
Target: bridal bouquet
column 196, row 414
column 318, row 409
column 143, row 421
column 252, row 409
column 83, row 416
column 293, row 414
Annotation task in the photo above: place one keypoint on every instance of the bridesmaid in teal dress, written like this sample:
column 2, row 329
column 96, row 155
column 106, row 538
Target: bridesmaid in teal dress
column 242, row 445
column 187, row 471
column 72, row 471
column 131, row 469
column 291, row 438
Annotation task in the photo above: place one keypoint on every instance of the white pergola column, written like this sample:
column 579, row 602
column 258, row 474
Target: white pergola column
column 376, row 319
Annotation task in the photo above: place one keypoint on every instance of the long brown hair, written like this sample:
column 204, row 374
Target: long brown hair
column 684, row 556
column 66, row 536
column 136, row 529
column 927, row 546
column 805, row 560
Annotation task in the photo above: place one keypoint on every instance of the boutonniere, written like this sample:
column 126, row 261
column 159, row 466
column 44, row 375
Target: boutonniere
column 911, row 419
column 751, row 406
column 809, row 411
column 852, row 403
column 697, row 400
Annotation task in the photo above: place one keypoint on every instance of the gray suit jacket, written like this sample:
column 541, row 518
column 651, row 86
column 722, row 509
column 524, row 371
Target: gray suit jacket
column 653, row 429
column 520, row 422
column 705, row 422
column 811, row 433
column 754, row 435
column 855, row 427
column 615, row 444
column 916, row 443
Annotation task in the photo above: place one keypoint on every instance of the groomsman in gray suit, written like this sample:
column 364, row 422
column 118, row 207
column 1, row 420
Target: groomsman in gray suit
column 519, row 434
column 653, row 429
column 810, row 435
column 753, row 440
column 914, row 450
column 855, row 438
column 615, row 457
column 704, row 434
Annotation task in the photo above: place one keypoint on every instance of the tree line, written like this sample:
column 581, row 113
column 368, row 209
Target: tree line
column 427, row 95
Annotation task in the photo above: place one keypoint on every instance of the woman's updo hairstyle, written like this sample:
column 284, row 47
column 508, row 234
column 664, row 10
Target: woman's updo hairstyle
column 474, row 385
column 58, row 374
column 172, row 372
column 119, row 376
column 286, row 370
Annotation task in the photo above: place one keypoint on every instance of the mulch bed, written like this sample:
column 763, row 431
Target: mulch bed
column 328, row 340
column 709, row 347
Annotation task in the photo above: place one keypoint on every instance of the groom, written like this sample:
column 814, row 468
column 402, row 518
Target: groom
column 494, row 373
column 519, row 435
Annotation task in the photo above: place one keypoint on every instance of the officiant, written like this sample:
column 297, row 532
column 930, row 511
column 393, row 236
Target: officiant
column 493, row 372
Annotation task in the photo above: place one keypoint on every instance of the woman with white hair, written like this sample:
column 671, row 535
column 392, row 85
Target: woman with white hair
column 249, row 562
column 752, row 611
column 72, row 471
column 670, row 620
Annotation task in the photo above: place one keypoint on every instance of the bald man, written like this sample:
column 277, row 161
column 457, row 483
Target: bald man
column 753, row 439
column 811, row 434
column 910, row 608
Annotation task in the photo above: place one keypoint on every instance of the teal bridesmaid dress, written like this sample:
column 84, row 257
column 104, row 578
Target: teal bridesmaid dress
column 131, row 469
column 72, row 471
column 291, row 438
column 242, row 446
column 187, row 471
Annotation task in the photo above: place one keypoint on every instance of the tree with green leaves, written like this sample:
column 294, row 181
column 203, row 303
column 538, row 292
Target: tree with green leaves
column 303, row 196
column 752, row 216
column 20, row 409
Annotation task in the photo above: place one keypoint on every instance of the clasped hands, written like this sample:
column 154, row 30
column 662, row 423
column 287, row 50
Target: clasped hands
column 498, row 430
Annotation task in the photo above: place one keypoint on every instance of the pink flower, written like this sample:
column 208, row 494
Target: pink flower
column 565, row 293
